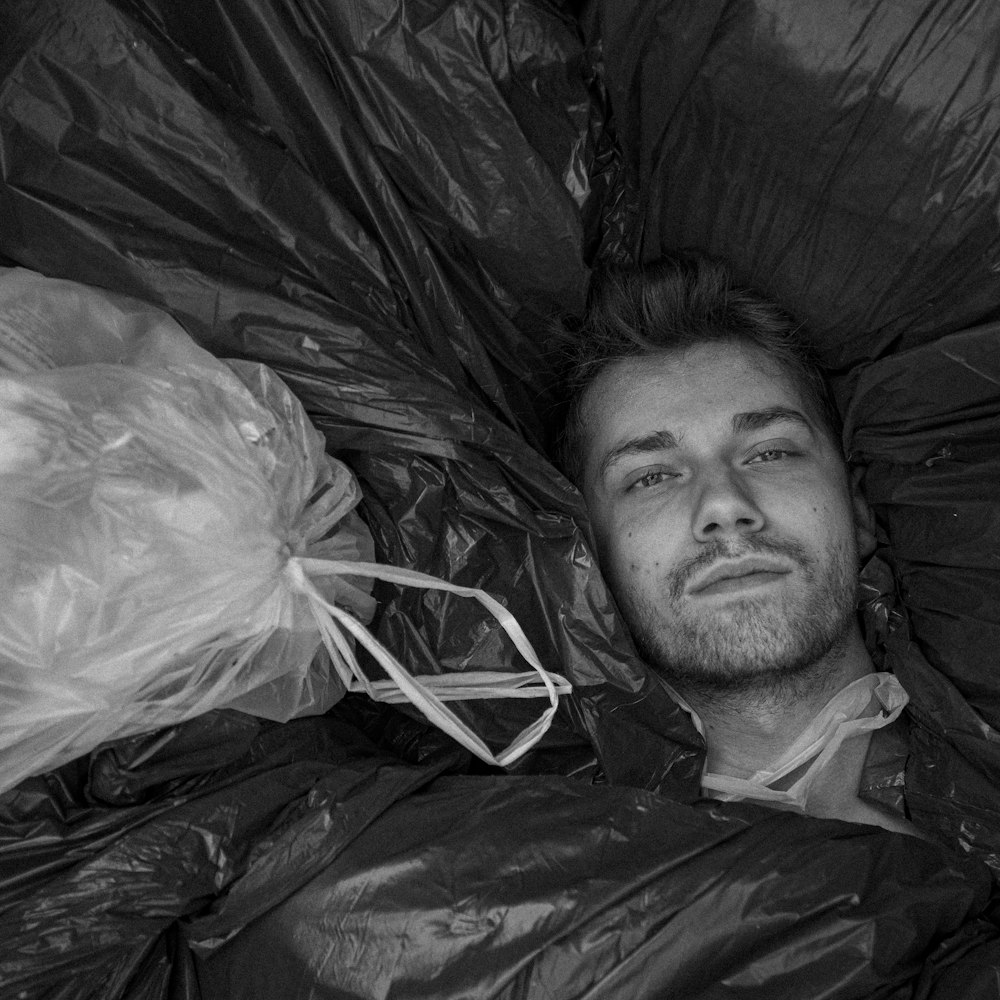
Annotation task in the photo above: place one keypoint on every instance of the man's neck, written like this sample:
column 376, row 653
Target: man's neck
column 748, row 730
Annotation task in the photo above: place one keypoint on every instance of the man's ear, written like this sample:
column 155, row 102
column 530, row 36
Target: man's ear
column 864, row 517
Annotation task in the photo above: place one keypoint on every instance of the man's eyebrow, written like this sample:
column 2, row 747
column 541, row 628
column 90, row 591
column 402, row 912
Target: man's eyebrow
column 756, row 420
column 743, row 423
column 646, row 443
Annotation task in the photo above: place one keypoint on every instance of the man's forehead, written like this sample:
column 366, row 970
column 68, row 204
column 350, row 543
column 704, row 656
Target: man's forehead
column 701, row 379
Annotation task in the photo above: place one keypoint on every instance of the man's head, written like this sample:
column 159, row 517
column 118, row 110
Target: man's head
column 706, row 445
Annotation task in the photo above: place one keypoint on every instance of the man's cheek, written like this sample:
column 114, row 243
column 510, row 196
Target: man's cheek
column 644, row 572
column 623, row 565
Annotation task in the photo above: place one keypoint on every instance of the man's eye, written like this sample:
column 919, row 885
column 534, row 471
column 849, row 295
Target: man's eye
column 650, row 479
column 771, row 455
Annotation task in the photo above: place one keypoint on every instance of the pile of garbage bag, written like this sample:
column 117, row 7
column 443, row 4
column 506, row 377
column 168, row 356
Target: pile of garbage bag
column 386, row 204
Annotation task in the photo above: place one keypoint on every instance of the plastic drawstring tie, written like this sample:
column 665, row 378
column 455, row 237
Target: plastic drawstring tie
column 845, row 715
column 427, row 694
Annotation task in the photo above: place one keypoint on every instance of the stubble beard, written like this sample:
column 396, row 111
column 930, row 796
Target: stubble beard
column 762, row 644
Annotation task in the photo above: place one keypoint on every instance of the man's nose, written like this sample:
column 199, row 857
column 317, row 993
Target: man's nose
column 726, row 507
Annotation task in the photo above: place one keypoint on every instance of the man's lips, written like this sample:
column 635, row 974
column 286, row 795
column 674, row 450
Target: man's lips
column 739, row 574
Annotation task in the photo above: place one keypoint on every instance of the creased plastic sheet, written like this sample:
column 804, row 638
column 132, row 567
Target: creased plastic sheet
column 579, row 899
column 843, row 155
column 100, row 862
column 924, row 424
column 230, row 857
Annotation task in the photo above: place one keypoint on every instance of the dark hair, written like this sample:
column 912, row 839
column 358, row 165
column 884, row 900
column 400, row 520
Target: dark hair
column 672, row 304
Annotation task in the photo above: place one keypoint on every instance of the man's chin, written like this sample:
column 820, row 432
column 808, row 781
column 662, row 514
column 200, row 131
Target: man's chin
column 740, row 616
column 732, row 664
column 745, row 644
column 735, row 675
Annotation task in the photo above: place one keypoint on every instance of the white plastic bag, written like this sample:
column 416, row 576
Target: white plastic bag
column 174, row 539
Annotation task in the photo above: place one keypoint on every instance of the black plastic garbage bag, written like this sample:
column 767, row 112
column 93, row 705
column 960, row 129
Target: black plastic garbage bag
column 578, row 898
column 842, row 155
column 99, row 864
column 230, row 858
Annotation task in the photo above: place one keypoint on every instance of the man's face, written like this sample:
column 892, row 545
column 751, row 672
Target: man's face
column 722, row 513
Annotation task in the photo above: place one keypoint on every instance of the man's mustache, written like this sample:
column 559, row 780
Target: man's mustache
column 716, row 551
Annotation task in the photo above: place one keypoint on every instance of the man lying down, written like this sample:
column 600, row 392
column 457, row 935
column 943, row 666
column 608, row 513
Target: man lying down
column 707, row 446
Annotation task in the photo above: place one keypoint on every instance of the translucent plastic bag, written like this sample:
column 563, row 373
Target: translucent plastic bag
column 174, row 539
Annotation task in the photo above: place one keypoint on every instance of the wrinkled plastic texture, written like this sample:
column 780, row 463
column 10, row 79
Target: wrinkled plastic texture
column 844, row 156
column 383, row 201
column 149, row 505
column 302, row 861
column 409, row 908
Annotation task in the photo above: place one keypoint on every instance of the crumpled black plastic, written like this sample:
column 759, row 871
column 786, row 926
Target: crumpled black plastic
column 842, row 155
column 229, row 857
column 386, row 202
column 99, row 863
column 580, row 898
